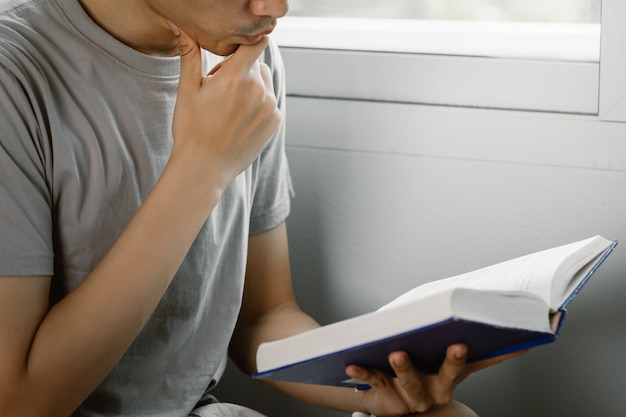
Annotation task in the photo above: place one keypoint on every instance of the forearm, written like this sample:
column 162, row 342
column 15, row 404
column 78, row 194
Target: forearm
column 289, row 320
column 270, row 312
column 335, row 398
column 82, row 337
column 283, row 322
column 58, row 356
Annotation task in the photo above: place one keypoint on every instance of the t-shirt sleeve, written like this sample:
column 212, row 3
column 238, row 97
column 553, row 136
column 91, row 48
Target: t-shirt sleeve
column 274, row 190
column 25, row 201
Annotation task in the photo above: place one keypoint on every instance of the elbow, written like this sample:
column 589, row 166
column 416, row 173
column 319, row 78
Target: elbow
column 242, row 358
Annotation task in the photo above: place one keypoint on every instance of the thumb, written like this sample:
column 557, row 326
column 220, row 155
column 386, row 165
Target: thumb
column 190, row 57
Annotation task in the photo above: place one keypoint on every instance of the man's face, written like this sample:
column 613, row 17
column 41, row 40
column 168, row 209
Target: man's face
column 220, row 26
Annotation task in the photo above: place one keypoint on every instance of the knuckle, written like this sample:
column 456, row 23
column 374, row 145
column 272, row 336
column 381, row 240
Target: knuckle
column 424, row 405
column 265, row 71
column 273, row 120
column 414, row 385
column 185, row 49
column 445, row 398
column 277, row 116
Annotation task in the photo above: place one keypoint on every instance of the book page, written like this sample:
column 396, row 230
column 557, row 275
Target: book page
column 551, row 274
column 531, row 273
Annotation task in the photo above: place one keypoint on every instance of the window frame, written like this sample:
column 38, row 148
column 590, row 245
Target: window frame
column 510, row 83
column 612, row 96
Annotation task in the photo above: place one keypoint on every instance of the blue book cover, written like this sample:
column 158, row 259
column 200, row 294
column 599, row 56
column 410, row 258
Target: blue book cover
column 427, row 345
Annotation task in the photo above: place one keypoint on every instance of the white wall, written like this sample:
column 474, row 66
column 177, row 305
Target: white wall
column 393, row 195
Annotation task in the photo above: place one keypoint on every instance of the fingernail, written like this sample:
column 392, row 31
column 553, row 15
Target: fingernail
column 400, row 361
column 461, row 352
column 353, row 371
column 175, row 29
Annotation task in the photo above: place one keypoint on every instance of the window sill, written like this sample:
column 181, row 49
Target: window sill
column 542, row 41
column 449, row 66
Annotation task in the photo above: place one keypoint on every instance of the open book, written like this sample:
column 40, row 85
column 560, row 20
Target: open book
column 502, row 308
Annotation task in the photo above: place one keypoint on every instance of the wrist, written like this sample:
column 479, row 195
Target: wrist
column 197, row 180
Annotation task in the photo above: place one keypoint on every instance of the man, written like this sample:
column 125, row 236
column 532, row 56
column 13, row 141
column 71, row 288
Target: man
column 143, row 195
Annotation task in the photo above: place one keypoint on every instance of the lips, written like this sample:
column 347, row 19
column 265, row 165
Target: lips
column 252, row 39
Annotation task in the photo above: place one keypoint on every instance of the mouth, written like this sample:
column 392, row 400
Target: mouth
column 252, row 39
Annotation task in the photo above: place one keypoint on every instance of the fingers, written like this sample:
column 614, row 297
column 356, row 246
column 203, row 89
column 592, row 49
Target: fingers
column 412, row 391
column 266, row 75
column 190, row 58
column 228, row 114
column 415, row 393
column 408, row 376
column 242, row 60
column 363, row 375
column 417, row 390
column 407, row 390
column 246, row 56
column 454, row 368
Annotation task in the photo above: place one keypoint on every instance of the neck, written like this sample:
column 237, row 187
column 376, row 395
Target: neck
column 135, row 24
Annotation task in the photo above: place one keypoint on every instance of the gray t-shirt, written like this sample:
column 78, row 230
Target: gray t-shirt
column 85, row 131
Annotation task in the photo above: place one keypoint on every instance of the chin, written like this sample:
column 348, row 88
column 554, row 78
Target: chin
column 222, row 50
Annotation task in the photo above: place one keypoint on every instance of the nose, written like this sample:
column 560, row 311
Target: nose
column 273, row 8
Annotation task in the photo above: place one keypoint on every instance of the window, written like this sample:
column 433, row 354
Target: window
column 535, row 29
column 515, row 57
column 562, row 11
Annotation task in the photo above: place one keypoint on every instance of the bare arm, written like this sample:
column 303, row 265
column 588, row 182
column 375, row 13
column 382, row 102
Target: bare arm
column 51, row 359
column 270, row 312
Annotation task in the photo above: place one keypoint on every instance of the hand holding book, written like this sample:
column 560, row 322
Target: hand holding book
column 503, row 308
column 412, row 391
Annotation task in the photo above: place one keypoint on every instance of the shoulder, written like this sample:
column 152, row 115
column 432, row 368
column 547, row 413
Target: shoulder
column 17, row 16
column 24, row 25
column 35, row 40
column 7, row 6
